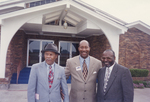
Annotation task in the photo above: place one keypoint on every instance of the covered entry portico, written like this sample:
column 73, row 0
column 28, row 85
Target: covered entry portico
column 82, row 19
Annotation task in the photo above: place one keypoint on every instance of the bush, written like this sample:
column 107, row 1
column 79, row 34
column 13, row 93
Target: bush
column 139, row 81
column 148, row 84
column 141, row 84
column 139, row 72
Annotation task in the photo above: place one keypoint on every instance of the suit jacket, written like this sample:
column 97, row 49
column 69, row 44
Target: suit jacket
column 82, row 90
column 38, row 84
column 119, row 86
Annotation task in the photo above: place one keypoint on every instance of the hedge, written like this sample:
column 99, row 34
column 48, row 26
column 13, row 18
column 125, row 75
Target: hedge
column 139, row 72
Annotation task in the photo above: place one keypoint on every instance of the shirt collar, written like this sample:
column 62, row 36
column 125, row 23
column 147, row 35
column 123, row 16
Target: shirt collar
column 51, row 65
column 111, row 67
column 82, row 59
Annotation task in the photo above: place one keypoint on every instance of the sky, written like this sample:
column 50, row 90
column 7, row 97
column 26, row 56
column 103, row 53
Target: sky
column 126, row 10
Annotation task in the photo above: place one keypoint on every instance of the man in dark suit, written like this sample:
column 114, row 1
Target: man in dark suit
column 46, row 78
column 114, row 81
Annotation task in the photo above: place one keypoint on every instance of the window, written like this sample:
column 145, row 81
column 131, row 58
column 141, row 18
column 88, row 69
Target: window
column 35, row 47
column 41, row 2
column 67, row 50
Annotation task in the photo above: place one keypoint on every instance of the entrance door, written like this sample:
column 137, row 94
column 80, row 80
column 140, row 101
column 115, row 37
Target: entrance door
column 34, row 54
column 67, row 50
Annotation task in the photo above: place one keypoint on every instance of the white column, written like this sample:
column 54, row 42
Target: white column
column 114, row 42
column 8, row 29
column 112, row 35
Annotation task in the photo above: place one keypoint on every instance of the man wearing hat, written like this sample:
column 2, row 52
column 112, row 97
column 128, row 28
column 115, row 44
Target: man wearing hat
column 46, row 78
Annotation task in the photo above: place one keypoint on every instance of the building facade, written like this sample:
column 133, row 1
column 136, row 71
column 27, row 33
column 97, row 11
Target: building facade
column 26, row 26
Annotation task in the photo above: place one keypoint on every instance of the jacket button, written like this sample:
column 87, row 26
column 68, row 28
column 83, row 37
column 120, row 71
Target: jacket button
column 85, row 83
column 84, row 90
column 83, row 98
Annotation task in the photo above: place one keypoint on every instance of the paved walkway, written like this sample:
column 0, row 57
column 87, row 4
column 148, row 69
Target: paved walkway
column 18, row 93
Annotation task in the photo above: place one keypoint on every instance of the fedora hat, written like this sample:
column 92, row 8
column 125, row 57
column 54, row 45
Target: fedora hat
column 51, row 47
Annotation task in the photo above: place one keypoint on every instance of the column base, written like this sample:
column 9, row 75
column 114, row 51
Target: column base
column 4, row 83
column 4, row 86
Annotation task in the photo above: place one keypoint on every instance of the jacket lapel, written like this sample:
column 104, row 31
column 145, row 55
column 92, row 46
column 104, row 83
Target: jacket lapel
column 102, row 78
column 112, row 77
column 43, row 72
column 77, row 64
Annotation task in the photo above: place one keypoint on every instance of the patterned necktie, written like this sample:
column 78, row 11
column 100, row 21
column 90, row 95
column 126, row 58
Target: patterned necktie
column 85, row 70
column 50, row 76
column 106, row 79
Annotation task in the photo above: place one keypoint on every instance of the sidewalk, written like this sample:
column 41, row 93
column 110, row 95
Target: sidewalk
column 18, row 93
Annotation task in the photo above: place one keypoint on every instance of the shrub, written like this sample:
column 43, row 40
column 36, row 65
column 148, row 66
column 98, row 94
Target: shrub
column 140, row 84
column 139, row 72
column 148, row 84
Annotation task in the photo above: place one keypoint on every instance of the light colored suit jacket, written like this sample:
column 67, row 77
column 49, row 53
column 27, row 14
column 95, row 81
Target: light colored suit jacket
column 82, row 90
column 119, row 87
column 38, row 84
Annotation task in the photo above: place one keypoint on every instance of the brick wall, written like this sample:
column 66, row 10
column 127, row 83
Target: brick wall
column 134, row 49
column 15, row 54
column 98, row 45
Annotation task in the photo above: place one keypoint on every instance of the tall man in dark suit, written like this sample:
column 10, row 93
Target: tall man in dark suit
column 83, row 70
column 114, row 81
column 46, row 78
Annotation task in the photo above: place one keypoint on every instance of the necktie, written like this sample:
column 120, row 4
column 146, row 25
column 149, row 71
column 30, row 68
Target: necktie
column 106, row 79
column 50, row 76
column 85, row 70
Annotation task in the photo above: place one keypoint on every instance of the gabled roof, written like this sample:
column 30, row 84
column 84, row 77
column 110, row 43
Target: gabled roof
column 139, row 25
column 74, row 19
column 15, row 5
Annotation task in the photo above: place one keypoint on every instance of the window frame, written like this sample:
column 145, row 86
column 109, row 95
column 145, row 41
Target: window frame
column 70, row 54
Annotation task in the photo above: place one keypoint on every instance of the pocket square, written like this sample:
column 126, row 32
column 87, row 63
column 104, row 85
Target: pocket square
column 94, row 72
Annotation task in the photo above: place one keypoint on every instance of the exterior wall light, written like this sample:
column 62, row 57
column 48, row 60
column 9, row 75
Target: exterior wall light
column 65, row 25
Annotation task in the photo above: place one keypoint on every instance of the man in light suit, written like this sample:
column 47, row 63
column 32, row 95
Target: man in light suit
column 114, row 81
column 46, row 78
column 83, row 75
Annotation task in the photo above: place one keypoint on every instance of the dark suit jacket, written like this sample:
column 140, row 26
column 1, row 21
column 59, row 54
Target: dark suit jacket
column 119, row 87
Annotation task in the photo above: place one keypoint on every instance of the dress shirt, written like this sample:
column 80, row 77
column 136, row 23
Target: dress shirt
column 87, row 61
column 110, row 69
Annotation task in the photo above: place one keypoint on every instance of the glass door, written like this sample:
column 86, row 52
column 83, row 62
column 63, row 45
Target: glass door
column 67, row 50
column 34, row 54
